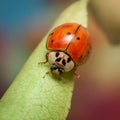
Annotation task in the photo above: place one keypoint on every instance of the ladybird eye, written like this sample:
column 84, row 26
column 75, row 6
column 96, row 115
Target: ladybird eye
column 68, row 33
column 78, row 38
column 60, row 70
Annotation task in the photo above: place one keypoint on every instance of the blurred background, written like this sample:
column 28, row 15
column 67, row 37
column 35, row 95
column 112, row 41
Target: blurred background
column 23, row 24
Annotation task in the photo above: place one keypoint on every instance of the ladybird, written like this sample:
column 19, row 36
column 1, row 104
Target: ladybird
column 69, row 46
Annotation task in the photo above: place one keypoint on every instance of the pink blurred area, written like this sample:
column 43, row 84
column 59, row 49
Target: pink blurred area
column 97, row 93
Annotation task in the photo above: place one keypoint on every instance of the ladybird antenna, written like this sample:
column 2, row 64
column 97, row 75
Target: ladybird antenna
column 48, row 72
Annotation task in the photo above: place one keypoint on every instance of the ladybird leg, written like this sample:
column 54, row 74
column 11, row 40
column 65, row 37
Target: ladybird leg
column 44, row 61
column 77, row 75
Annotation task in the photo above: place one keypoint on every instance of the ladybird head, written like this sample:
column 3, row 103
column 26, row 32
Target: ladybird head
column 60, row 62
column 56, row 69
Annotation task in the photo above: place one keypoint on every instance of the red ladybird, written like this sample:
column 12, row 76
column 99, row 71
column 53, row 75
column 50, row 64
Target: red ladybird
column 69, row 46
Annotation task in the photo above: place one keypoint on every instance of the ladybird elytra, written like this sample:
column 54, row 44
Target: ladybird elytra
column 68, row 45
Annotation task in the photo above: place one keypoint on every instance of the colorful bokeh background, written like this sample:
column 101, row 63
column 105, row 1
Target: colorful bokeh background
column 23, row 24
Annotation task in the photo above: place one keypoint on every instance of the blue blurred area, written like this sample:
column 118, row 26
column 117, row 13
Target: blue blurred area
column 23, row 23
column 14, row 13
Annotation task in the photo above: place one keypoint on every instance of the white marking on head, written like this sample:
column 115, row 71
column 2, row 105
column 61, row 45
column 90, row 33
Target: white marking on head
column 61, row 60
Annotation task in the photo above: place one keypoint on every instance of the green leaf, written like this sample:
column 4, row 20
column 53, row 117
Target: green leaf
column 30, row 97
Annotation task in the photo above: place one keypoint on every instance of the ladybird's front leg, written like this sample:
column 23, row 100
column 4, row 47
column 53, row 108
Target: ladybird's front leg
column 44, row 61
column 77, row 75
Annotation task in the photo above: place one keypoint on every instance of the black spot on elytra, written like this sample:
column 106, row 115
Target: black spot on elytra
column 52, row 41
column 81, row 56
column 58, row 59
column 68, row 33
column 57, row 54
column 78, row 38
column 68, row 60
column 64, row 62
